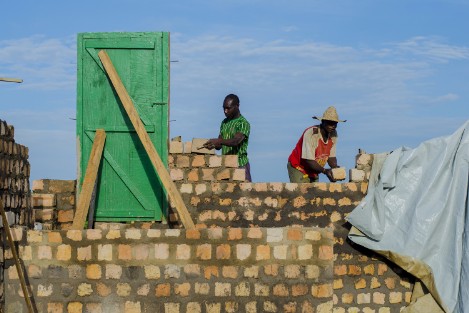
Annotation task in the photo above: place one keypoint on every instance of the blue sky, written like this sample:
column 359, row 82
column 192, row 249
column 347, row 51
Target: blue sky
column 398, row 71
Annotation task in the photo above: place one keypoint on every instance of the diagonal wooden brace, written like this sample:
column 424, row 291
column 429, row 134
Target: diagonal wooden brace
column 91, row 174
column 146, row 141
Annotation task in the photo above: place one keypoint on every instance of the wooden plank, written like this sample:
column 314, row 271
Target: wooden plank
column 11, row 80
column 127, row 43
column 146, row 141
column 92, row 206
column 89, row 180
column 26, row 294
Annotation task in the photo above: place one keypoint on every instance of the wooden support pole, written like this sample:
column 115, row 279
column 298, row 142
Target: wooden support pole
column 6, row 226
column 91, row 173
column 146, row 141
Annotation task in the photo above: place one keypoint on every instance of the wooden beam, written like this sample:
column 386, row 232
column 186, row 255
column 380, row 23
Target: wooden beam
column 91, row 173
column 146, row 141
column 11, row 80
column 6, row 226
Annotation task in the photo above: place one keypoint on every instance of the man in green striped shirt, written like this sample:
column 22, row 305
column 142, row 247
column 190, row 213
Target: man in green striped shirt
column 234, row 134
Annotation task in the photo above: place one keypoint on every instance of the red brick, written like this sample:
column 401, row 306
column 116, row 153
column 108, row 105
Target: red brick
column 271, row 270
column 54, row 237
column 210, row 271
column 182, row 289
column 295, row 234
column 239, row 174
column 54, row 307
column 198, row 161
column 299, row 290
column 281, row 290
column 322, row 291
column 192, row 234
column 204, row 252
column 263, row 252
column 103, row 290
column 225, row 202
column 340, row 270
column 299, row 202
column 214, row 161
column 193, row 175
column 382, row 268
column 390, row 282
column 182, row 161
column 360, row 283
column 231, row 160
column 326, row 253
column 224, row 174
column 65, row 216
column 235, row 234
column 208, row 174
column 176, row 174
column 354, row 270
column 223, row 252
column 124, row 252
column 230, row 272
column 163, row 290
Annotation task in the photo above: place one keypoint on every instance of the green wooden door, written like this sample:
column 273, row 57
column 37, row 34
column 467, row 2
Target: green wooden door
column 128, row 187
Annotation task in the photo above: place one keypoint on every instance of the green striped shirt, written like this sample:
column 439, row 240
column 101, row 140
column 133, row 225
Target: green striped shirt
column 228, row 129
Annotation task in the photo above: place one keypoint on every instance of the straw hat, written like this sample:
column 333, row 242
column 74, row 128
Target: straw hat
column 330, row 114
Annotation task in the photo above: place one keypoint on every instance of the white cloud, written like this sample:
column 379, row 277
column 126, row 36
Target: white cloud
column 449, row 97
column 42, row 63
column 208, row 62
column 282, row 84
column 289, row 29
column 433, row 49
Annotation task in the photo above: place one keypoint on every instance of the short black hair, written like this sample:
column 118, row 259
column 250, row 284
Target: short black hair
column 233, row 98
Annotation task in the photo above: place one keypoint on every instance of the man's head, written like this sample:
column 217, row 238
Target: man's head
column 330, row 114
column 329, row 126
column 231, row 106
column 329, row 120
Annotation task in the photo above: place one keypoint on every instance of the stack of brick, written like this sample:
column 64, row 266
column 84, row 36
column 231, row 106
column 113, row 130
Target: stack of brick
column 172, row 270
column 54, row 203
column 15, row 196
column 14, row 178
column 363, row 165
column 187, row 165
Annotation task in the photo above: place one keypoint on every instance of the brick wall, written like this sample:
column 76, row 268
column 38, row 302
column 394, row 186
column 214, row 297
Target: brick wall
column 228, row 212
column 363, row 281
column 208, row 270
column 269, row 204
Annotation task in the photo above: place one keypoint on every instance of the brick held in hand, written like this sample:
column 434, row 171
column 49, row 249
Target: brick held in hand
column 338, row 173
column 197, row 146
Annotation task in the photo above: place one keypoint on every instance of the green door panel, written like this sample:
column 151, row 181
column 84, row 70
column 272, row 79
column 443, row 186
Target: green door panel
column 128, row 187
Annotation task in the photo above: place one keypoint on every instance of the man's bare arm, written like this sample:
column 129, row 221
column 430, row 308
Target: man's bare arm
column 218, row 142
column 312, row 165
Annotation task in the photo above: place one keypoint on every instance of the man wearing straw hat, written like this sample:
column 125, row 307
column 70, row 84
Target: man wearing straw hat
column 315, row 148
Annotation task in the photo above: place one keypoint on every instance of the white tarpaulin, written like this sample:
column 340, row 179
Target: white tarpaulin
column 416, row 214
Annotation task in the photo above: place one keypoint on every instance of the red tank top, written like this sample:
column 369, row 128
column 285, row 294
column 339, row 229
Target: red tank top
column 321, row 154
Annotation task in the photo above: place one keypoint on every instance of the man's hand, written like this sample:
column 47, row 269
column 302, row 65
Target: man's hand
column 328, row 173
column 214, row 143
